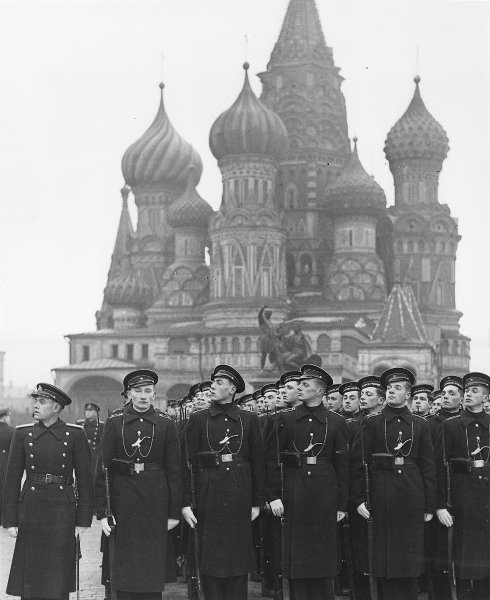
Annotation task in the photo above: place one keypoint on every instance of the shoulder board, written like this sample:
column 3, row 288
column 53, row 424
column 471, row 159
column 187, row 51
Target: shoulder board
column 352, row 420
column 373, row 415
column 115, row 413
column 25, row 425
column 101, row 422
column 161, row 413
column 80, row 421
column 74, row 425
column 286, row 410
column 452, row 418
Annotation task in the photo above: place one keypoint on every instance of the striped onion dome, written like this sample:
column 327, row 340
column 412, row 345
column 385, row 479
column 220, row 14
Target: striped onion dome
column 248, row 127
column 354, row 187
column 131, row 288
column 160, row 155
column 190, row 209
column 416, row 134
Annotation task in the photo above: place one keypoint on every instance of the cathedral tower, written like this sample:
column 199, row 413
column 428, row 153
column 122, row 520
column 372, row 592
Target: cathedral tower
column 247, row 235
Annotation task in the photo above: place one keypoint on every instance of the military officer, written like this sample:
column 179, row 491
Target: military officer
column 226, row 449
column 140, row 449
column 93, row 428
column 421, row 399
column 464, row 444
column 45, row 514
column 397, row 446
column 6, row 434
column 334, row 398
column 313, row 450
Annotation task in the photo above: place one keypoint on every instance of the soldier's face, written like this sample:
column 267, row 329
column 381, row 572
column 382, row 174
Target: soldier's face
column 309, row 391
column 350, row 402
column 369, row 398
column 420, row 404
column 260, row 405
column 222, row 390
column 45, row 409
column 436, row 405
column 291, row 392
column 334, row 402
column 397, row 393
column 475, row 396
column 142, row 396
column 451, row 397
column 486, row 406
column 91, row 414
column 206, row 399
column 270, row 399
column 280, row 398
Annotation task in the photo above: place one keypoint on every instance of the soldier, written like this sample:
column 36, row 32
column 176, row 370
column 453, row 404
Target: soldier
column 291, row 380
column 463, row 444
column 46, row 515
column 334, row 398
column 421, row 399
column 269, row 392
column 436, row 402
column 280, row 395
column 373, row 395
column 312, row 447
column 247, row 402
column 226, row 450
column 93, row 428
column 350, row 393
column 140, row 449
column 205, row 395
column 398, row 448
column 6, row 434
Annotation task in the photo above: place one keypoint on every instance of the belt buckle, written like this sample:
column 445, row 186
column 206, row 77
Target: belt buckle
column 138, row 467
column 478, row 464
column 399, row 460
column 48, row 478
column 227, row 458
column 311, row 460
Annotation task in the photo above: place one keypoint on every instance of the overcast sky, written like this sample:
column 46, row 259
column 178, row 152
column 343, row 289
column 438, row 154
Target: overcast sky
column 79, row 83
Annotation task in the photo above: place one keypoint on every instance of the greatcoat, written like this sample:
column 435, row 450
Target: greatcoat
column 470, row 490
column 313, row 493
column 141, row 502
column 400, row 494
column 6, row 434
column 225, row 493
column 46, row 513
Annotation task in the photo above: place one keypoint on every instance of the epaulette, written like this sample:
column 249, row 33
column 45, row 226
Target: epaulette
column 101, row 422
column 80, row 421
column 352, row 420
column 74, row 425
column 285, row 410
column 161, row 413
column 25, row 425
column 115, row 413
column 451, row 418
column 372, row 415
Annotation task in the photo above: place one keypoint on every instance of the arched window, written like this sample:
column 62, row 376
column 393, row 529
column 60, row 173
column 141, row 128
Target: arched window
column 305, row 265
column 248, row 344
column 178, row 345
column 235, row 345
column 324, row 343
column 224, row 346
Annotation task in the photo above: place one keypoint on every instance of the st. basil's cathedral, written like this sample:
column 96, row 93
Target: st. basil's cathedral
column 302, row 229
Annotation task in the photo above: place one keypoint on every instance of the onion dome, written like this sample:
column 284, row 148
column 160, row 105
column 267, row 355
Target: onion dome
column 416, row 134
column 131, row 288
column 248, row 127
column 190, row 209
column 160, row 155
column 354, row 188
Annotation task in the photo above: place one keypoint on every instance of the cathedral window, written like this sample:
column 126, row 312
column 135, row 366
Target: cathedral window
column 238, row 281
column 410, row 247
column 350, row 238
column 178, row 345
column 324, row 343
column 213, row 345
column 266, row 282
column 115, row 350
column 420, row 246
column 235, row 345
column 224, row 346
column 86, row 352
column 144, row 351
column 248, row 344
column 130, row 351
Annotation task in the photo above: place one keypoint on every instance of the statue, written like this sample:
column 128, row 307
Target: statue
column 286, row 351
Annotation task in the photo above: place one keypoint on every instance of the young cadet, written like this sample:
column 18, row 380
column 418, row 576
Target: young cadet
column 45, row 515
column 226, row 450
column 93, row 428
column 350, row 393
column 334, row 398
column 291, row 380
column 464, row 444
column 140, row 449
column 436, row 402
column 312, row 446
column 398, row 448
column 421, row 399
column 373, row 395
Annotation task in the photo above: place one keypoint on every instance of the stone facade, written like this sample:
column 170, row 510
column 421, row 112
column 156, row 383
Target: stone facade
column 302, row 228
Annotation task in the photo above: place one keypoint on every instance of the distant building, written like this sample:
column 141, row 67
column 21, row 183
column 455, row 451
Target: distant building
column 302, row 228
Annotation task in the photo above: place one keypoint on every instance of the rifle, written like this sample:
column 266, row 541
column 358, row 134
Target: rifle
column 110, row 521
column 450, row 530
column 194, row 582
column 77, row 565
column 283, row 581
column 373, row 583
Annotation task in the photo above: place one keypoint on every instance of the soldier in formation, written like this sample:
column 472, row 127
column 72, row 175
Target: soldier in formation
column 289, row 483
column 93, row 428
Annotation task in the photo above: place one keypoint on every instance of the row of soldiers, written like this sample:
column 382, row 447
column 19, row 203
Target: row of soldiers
column 291, row 476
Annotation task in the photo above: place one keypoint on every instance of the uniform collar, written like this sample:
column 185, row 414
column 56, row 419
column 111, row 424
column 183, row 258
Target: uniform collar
column 468, row 417
column 443, row 414
column 57, row 429
column 132, row 415
column 319, row 414
column 233, row 412
column 391, row 413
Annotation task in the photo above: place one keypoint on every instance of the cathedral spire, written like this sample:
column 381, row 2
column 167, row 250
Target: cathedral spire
column 125, row 233
column 301, row 40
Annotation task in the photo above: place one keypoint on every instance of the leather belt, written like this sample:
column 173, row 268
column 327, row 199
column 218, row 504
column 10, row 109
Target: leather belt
column 387, row 462
column 138, row 467
column 47, row 478
column 129, row 467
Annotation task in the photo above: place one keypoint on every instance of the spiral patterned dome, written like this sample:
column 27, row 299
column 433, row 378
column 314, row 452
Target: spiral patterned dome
column 354, row 187
column 416, row 134
column 160, row 155
column 190, row 209
column 131, row 288
column 248, row 127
